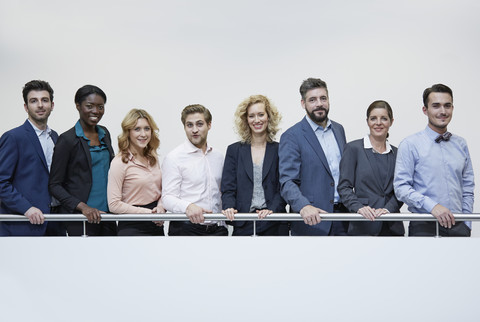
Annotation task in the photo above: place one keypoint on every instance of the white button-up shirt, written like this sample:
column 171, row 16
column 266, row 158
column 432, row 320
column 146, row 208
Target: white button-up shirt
column 191, row 176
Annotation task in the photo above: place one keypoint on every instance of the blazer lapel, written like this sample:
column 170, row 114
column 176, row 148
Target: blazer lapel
column 268, row 160
column 313, row 141
column 374, row 165
column 246, row 159
column 391, row 169
column 54, row 137
column 86, row 150
column 339, row 138
column 32, row 136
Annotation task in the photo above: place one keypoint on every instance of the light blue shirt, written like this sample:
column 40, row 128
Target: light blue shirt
column 429, row 173
column 46, row 141
column 329, row 144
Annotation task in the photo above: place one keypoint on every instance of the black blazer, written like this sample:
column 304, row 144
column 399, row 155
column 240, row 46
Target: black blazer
column 71, row 170
column 237, row 179
column 360, row 185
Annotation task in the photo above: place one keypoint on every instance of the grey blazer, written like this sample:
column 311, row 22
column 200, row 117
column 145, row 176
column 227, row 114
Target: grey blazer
column 360, row 185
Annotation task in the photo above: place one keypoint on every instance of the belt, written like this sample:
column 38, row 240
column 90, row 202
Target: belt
column 207, row 227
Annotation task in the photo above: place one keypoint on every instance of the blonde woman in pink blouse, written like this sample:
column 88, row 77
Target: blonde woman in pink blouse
column 135, row 178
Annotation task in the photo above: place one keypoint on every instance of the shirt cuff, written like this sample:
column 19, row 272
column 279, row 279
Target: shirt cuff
column 429, row 204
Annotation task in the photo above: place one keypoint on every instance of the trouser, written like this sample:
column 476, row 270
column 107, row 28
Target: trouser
column 186, row 228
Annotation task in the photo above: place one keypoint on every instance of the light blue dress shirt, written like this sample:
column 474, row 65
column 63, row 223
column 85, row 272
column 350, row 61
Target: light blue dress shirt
column 46, row 141
column 329, row 144
column 429, row 173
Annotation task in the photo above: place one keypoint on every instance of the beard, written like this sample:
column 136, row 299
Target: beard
column 318, row 119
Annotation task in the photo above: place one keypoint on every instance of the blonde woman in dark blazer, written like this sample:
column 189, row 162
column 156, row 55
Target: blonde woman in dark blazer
column 366, row 176
column 250, row 179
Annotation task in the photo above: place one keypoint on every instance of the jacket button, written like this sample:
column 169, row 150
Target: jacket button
column 332, row 184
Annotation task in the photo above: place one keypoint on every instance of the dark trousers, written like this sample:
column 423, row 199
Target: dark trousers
column 140, row 228
column 428, row 228
column 55, row 228
column 268, row 228
column 104, row 228
column 339, row 228
column 186, row 228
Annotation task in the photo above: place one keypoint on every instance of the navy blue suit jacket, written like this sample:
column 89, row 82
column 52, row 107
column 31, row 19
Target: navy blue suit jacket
column 305, row 176
column 361, row 185
column 23, row 177
column 237, row 180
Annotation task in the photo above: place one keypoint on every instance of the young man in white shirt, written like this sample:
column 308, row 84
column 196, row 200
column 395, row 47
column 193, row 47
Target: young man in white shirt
column 192, row 173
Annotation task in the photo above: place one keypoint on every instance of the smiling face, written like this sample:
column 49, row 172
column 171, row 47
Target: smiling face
column 317, row 105
column 91, row 110
column 257, row 119
column 439, row 111
column 379, row 123
column 140, row 136
column 38, row 107
column 197, row 129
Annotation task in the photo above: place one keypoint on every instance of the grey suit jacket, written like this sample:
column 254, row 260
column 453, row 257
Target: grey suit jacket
column 360, row 185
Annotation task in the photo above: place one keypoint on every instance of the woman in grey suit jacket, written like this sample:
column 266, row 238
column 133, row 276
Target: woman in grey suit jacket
column 250, row 180
column 366, row 176
column 80, row 164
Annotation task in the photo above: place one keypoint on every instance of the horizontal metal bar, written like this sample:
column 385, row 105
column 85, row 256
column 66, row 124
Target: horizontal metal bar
column 242, row 217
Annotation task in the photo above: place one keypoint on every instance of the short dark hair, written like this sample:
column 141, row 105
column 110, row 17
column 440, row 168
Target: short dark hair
column 196, row 108
column 36, row 85
column 311, row 83
column 437, row 88
column 84, row 91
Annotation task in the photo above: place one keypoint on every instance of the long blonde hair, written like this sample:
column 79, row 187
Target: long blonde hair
column 241, row 122
column 128, row 123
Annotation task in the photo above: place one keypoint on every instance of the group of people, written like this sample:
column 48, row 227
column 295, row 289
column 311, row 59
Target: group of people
column 312, row 169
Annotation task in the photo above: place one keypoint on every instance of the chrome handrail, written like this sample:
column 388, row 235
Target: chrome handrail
column 243, row 217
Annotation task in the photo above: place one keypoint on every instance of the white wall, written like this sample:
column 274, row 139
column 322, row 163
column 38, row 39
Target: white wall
column 239, row 279
column 163, row 55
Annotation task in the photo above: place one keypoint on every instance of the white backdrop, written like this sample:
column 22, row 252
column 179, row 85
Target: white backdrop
column 164, row 55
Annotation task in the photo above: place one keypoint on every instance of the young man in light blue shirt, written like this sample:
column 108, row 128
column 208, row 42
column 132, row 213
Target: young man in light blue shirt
column 434, row 172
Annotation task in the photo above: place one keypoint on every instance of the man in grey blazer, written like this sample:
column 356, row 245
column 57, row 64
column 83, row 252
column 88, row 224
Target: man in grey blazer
column 309, row 158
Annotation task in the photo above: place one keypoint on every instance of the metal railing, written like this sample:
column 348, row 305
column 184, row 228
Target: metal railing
column 245, row 217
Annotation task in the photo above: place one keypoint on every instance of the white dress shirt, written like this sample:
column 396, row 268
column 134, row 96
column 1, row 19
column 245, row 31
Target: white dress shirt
column 191, row 176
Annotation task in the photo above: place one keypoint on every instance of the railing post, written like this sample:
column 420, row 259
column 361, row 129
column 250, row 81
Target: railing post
column 437, row 230
column 254, row 228
column 84, row 229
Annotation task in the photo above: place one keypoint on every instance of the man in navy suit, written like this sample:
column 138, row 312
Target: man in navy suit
column 309, row 158
column 25, row 158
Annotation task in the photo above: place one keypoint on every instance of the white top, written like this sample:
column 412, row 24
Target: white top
column 191, row 176
column 368, row 145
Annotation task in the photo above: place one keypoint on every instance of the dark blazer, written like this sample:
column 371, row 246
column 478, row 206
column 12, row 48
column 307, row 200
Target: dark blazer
column 23, row 177
column 71, row 171
column 237, row 181
column 360, row 185
column 305, row 176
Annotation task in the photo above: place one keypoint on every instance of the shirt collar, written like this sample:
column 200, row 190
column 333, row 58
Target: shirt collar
column 368, row 145
column 190, row 148
column 431, row 133
column 39, row 132
column 315, row 126
column 80, row 133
